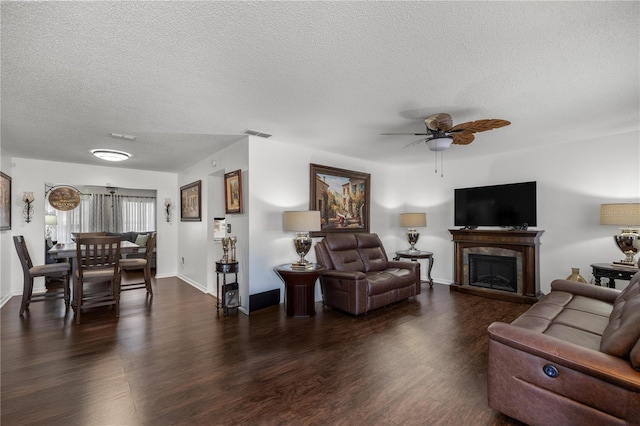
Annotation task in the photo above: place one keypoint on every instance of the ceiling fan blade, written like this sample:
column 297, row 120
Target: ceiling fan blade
column 463, row 138
column 441, row 121
column 480, row 125
column 414, row 134
column 416, row 142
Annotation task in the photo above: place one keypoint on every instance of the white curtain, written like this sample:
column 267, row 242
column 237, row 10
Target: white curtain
column 101, row 212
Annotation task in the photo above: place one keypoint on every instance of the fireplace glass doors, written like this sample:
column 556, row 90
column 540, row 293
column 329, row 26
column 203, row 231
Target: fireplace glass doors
column 494, row 272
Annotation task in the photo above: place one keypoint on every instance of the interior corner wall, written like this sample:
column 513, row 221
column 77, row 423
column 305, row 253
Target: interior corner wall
column 32, row 175
column 197, row 250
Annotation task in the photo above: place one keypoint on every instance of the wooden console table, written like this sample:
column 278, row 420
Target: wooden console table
column 527, row 243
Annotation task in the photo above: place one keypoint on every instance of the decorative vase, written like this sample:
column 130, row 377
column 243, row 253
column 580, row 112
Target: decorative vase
column 575, row 276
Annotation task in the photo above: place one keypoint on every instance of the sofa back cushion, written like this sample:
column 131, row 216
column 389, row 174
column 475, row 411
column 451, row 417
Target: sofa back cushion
column 371, row 252
column 623, row 331
column 342, row 249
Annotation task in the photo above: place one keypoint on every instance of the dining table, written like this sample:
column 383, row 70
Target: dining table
column 68, row 251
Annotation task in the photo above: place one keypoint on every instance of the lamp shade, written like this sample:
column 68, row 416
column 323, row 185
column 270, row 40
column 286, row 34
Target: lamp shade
column 620, row 214
column 439, row 144
column 301, row 221
column 413, row 220
column 50, row 219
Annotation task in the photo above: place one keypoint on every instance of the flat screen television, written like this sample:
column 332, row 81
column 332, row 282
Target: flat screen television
column 509, row 205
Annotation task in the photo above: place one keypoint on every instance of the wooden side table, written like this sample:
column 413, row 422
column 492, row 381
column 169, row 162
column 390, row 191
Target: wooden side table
column 300, row 287
column 414, row 256
column 612, row 272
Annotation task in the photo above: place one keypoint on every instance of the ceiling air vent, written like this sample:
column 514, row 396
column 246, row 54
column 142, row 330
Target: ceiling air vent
column 256, row 133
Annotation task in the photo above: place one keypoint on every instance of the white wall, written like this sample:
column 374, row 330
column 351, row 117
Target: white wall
column 31, row 175
column 6, row 242
column 573, row 180
column 196, row 245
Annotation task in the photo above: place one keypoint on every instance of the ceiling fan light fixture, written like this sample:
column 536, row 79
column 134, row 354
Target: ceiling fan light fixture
column 111, row 154
column 439, row 144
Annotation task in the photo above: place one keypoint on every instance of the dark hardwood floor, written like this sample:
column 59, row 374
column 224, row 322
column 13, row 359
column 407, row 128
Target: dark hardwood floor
column 170, row 360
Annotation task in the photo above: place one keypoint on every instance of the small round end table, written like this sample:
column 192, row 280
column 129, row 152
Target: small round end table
column 414, row 256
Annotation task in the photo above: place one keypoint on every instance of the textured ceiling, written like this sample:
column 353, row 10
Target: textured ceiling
column 187, row 78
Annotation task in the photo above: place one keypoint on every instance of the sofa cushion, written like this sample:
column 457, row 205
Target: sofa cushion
column 623, row 331
column 141, row 240
column 380, row 283
column 635, row 356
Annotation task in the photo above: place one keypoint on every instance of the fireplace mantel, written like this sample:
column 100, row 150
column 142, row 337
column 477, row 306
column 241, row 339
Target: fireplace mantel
column 526, row 243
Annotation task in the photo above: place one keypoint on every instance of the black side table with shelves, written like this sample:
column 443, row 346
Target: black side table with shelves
column 612, row 272
column 228, row 293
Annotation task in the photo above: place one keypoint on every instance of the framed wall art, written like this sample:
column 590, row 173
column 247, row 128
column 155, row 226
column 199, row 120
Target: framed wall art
column 191, row 202
column 5, row 202
column 233, row 192
column 342, row 197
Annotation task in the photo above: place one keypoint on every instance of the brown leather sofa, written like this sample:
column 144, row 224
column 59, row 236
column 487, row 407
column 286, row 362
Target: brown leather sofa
column 572, row 359
column 359, row 275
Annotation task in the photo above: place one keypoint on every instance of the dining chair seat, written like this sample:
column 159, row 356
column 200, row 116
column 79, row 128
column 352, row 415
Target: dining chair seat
column 140, row 263
column 31, row 271
column 98, row 270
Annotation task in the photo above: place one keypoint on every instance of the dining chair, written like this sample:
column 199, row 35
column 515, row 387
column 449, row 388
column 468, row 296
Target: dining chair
column 140, row 263
column 31, row 271
column 98, row 273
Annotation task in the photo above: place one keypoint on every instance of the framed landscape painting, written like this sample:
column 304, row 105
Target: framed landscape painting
column 342, row 197
column 191, row 202
column 5, row 202
column 233, row 192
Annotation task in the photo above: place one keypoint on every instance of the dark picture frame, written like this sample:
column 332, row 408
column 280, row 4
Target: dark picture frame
column 233, row 192
column 5, row 202
column 343, row 198
column 191, row 202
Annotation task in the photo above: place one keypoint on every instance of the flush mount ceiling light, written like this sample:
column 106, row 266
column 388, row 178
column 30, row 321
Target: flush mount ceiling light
column 111, row 154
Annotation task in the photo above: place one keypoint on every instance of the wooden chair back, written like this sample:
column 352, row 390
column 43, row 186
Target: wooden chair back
column 97, row 254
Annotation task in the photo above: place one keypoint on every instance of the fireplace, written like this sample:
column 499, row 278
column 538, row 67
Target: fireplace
column 498, row 264
column 496, row 272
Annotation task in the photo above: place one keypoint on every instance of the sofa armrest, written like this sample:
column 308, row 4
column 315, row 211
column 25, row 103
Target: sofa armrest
column 403, row 264
column 590, row 362
column 346, row 275
column 592, row 291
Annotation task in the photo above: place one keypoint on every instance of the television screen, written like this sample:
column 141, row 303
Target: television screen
column 497, row 205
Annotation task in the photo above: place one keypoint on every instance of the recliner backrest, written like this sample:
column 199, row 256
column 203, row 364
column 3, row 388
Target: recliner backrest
column 372, row 252
column 342, row 250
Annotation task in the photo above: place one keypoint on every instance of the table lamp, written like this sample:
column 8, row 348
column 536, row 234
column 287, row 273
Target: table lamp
column 627, row 217
column 413, row 221
column 302, row 222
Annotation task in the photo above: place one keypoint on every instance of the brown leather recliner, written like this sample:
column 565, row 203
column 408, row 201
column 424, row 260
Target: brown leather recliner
column 572, row 358
column 359, row 275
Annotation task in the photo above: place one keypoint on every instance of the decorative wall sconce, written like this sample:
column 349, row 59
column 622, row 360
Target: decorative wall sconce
column 27, row 211
column 167, row 205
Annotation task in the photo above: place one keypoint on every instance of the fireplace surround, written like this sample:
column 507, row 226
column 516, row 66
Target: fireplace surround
column 508, row 263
